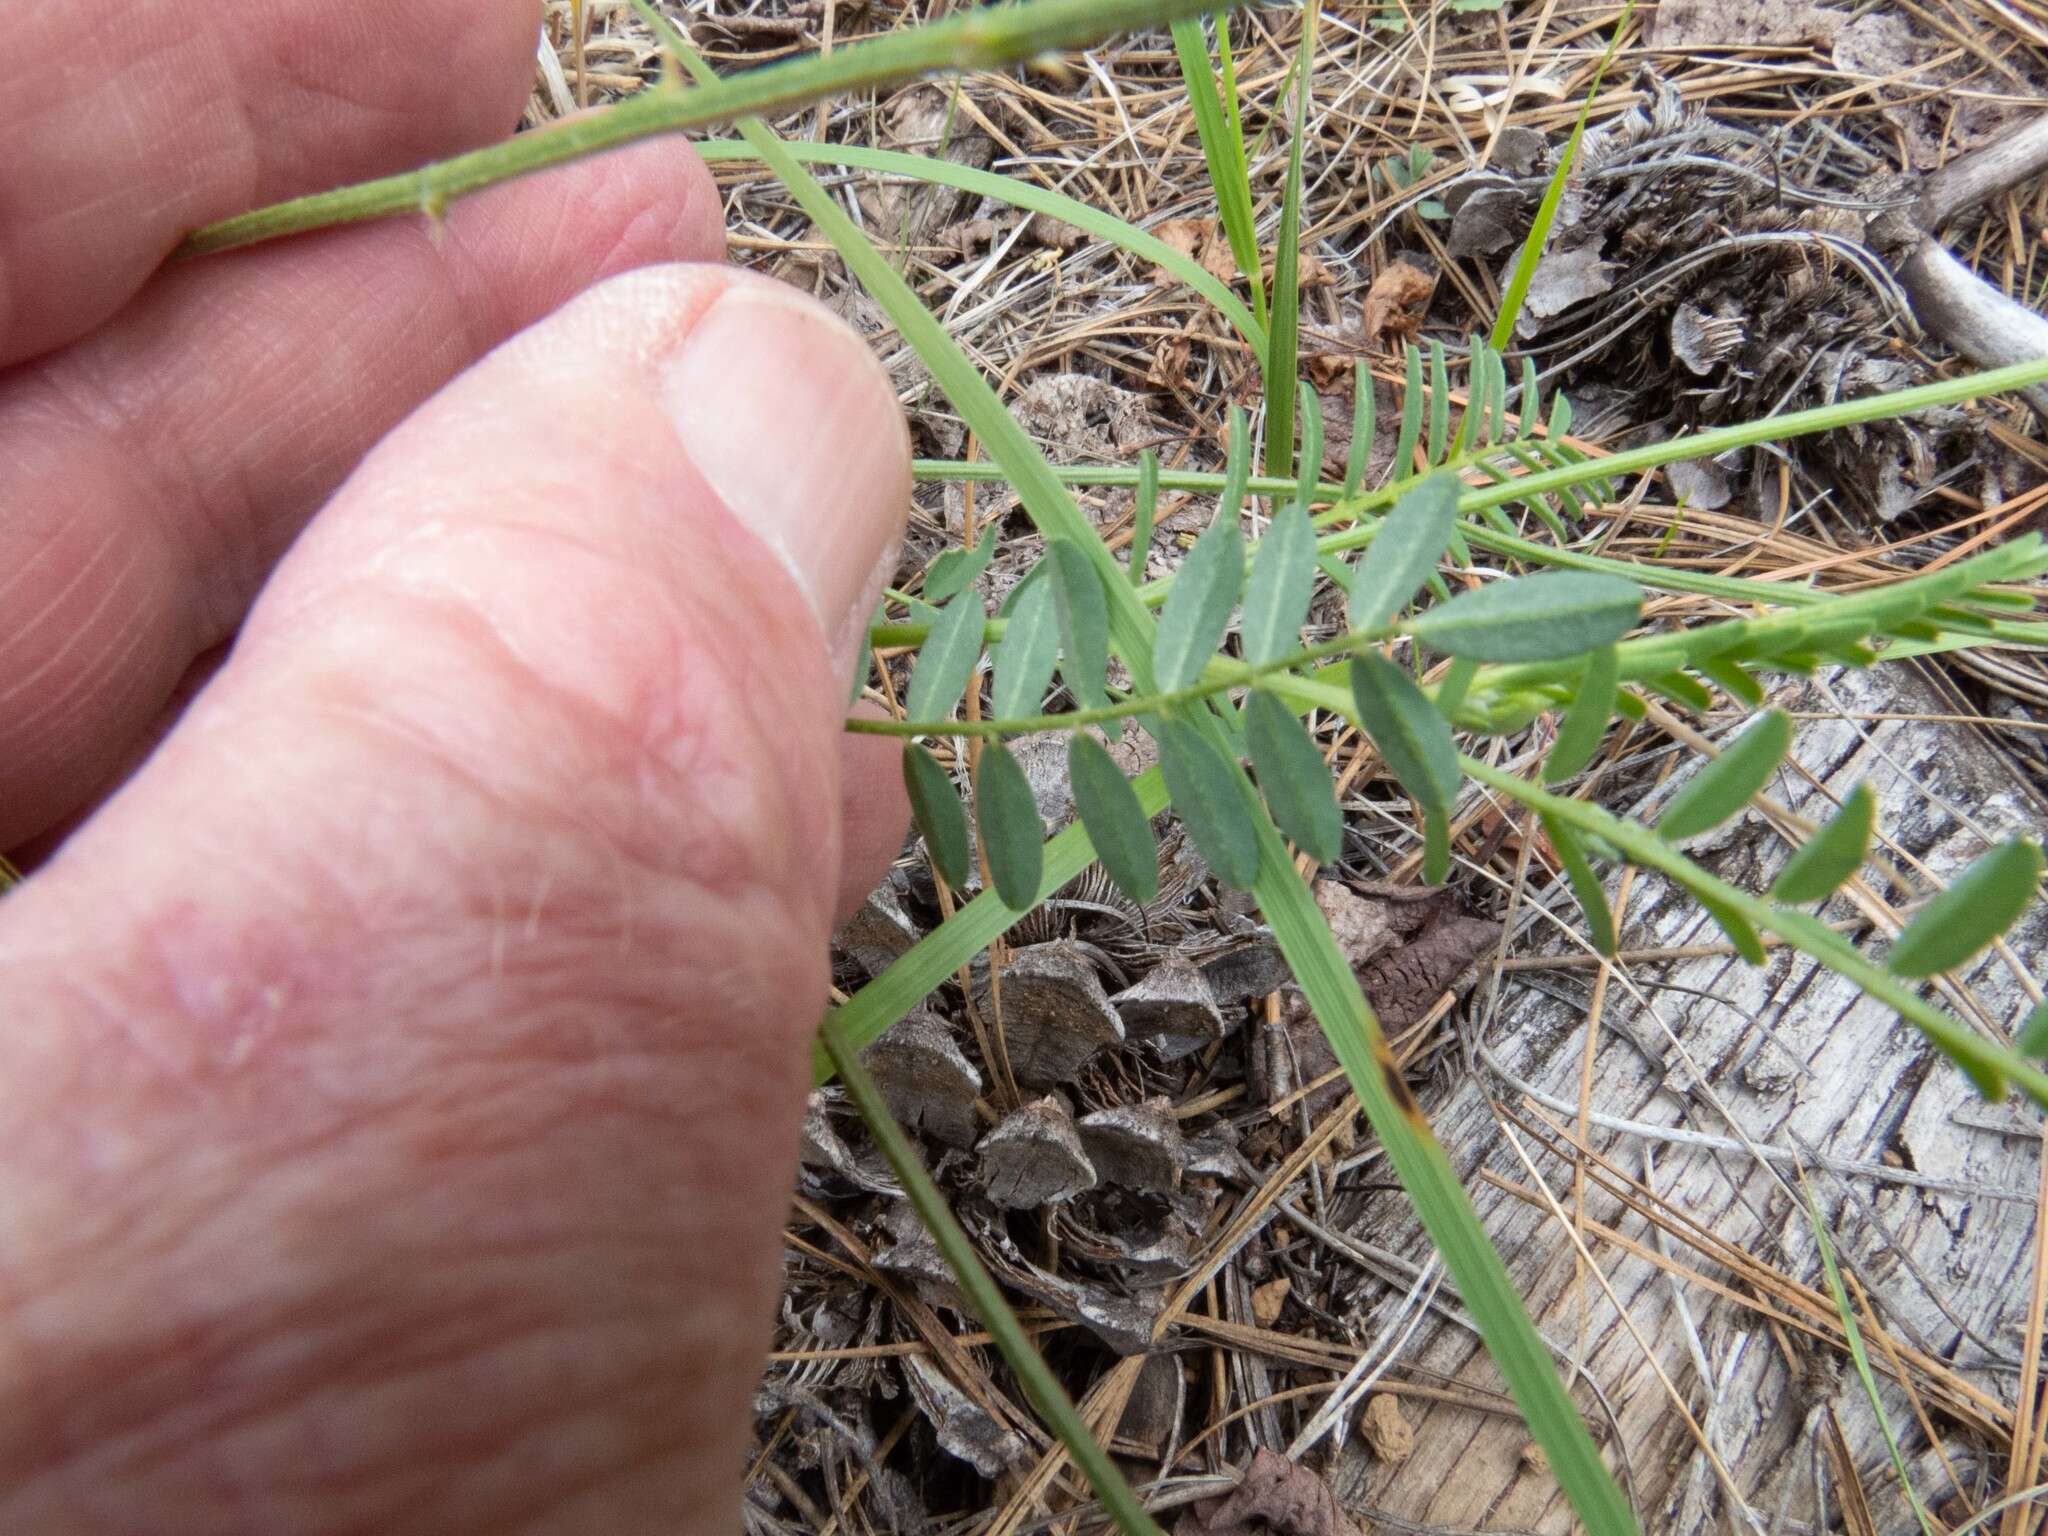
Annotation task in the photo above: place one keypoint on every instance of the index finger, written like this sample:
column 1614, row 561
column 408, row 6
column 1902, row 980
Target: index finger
column 128, row 124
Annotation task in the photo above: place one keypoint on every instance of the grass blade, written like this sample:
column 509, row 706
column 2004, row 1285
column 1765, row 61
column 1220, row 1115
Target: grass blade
column 1585, row 720
column 1727, row 784
column 1547, row 617
column 1283, row 332
column 946, row 659
column 1223, row 151
column 1981, row 903
column 1414, row 536
column 1831, row 855
column 1205, row 789
column 1116, row 822
column 1413, row 739
column 1006, row 815
column 1294, row 778
column 940, row 818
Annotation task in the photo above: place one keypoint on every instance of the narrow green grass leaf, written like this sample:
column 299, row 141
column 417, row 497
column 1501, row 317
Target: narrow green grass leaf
column 946, row 659
column 1084, row 623
column 941, row 819
column 1223, row 152
column 1277, row 595
column 1144, row 509
column 1198, row 608
column 1727, row 783
column 1026, row 654
column 1116, row 822
column 1980, row 904
column 1413, row 739
column 1411, row 416
column 1831, row 855
column 1546, row 211
column 1012, row 836
column 1359, row 458
column 1546, row 617
column 1412, row 538
column 1205, row 786
column 1293, row 777
column 2033, row 1035
column 1283, row 330
column 955, row 569
column 1859, row 1356
column 1585, row 883
column 1586, row 718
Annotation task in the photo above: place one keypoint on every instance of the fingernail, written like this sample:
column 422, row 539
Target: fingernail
column 794, row 425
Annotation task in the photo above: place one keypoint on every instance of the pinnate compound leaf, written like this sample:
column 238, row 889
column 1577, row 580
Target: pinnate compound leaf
column 946, row 659
column 1981, row 903
column 1198, row 607
column 1533, row 618
column 1084, row 623
column 1283, row 577
column 1116, row 822
column 939, row 815
column 953, row 570
column 1586, row 719
column 1413, row 739
column 1585, row 882
column 1724, row 786
column 1411, row 540
column 1832, row 854
column 1205, row 788
column 1293, row 777
column 1012, row 836
column 1027, row 652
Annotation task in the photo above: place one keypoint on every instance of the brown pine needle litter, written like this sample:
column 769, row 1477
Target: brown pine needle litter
column 1739, row 238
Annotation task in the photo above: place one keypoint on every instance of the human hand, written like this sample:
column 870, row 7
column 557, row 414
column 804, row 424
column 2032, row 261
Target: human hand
column 399, row 1086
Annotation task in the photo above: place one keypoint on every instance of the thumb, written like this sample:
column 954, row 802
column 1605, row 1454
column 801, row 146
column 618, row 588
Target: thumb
column 403, row 1125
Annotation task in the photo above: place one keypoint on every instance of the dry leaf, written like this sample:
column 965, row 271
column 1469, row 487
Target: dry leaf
column 1269, row 1300
column 1203, row 241
column 1388, row 1434
column 1399, row 298
column 1276, row 1498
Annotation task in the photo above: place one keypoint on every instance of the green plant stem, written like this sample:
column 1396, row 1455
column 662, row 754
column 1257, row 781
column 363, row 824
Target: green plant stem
column 1219, row 674
column 972, row 39
column 1045, row 1394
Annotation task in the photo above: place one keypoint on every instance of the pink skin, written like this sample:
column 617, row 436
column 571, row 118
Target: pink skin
column 398, row 1098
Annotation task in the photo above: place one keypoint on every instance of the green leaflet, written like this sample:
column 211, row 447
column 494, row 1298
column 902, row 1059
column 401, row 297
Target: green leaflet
column 1205, row 788
column 1724, row 786
column 1198, row 608
column 1740, row 930
column 1363, row 405
column 1978, row 906
column 1686, row 691
column 1439, row 403
column 1117, row 824
column 1732, row 678
column 2033, row 1035
column 1277, row 595
column 1310, row 466
column 1410, row 541
column 1084, row 623
column 1831, row 855
column 1411, row 416
column 1025, row 655
column 1142, row 514
column 1533, row 618
column 956, row 568
column 1413, row 739
column 1584, row 725
column 938, row 813
column 946, row 659
column 1585, row 883
column 1293, row 777
column 1012, row 836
